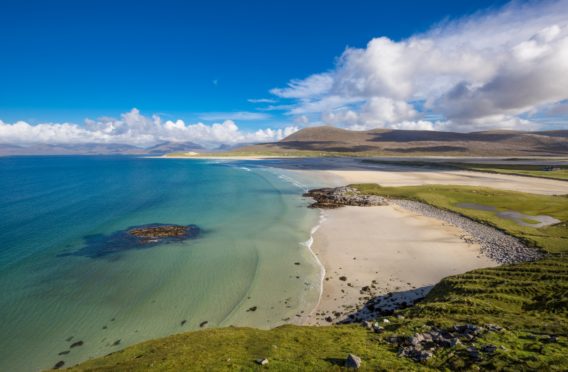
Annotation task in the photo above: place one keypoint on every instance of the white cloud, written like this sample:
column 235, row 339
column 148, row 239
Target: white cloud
column 136, row 129
column 261, row 100
column 480, row 72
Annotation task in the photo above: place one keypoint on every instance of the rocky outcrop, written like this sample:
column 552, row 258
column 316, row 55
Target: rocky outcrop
column 422, row 346
column 329, row 198
column 155, row 233
column 135, row 237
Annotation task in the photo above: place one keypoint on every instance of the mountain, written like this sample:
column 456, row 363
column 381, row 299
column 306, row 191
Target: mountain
column 416, row 142
column 169, row 147
column 96, row 149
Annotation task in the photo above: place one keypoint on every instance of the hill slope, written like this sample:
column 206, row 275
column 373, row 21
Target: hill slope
column 412, row 142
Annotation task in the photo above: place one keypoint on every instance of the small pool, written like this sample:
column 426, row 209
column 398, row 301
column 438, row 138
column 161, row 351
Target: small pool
column 519, row 218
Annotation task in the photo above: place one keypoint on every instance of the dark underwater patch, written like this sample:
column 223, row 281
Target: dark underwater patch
column 135, row 237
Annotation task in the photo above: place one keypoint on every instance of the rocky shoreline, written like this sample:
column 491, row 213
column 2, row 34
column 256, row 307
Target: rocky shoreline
column 329, row 198
column 382, row 299
column 495, row 244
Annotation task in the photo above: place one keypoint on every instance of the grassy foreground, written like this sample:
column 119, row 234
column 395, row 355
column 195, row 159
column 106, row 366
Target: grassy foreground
column 530, row 300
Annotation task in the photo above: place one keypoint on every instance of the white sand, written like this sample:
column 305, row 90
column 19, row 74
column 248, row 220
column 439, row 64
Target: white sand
column 414, row 178
column 400, row 250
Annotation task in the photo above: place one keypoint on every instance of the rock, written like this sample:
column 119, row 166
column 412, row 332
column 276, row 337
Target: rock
column 64, row 352
column 76, row 344
column 183, row 322
column 116, row 343
column 252, row 308
column 262, row 361
column 157, row 231
column 59, row 364
column 386, row 321
column 341, row 196
column 343, row 278
column 353, row 361
column 203, row 324
column 328, row 319
column 490, row 349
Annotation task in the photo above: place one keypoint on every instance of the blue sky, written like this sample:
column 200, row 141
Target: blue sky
column 67, row 60
column 64, row 61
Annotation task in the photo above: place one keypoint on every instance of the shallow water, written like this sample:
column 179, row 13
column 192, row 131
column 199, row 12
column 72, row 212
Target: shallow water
column 250, row 253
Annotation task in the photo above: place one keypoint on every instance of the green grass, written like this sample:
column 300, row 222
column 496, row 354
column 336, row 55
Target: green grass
column 530, row 300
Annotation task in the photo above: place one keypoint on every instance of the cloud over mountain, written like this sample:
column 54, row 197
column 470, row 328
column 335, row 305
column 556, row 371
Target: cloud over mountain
column 135, row 129
column 496, row 69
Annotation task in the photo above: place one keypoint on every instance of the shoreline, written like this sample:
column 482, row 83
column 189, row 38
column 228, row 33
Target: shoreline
column 357, row 277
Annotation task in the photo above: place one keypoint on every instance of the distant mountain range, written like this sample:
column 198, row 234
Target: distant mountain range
column 416, row 143
column 97, row 149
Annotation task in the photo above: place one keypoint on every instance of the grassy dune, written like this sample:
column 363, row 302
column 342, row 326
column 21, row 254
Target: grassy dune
column 530, row 300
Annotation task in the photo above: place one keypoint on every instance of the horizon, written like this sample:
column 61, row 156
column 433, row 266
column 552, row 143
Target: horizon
column 222, row 74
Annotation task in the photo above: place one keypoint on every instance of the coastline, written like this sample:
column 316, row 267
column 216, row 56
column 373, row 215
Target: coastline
column 393, row 254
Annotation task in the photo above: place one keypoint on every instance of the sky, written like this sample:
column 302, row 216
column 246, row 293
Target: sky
column 227, row 72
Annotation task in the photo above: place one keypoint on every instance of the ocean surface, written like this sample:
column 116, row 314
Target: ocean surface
column 61, row 287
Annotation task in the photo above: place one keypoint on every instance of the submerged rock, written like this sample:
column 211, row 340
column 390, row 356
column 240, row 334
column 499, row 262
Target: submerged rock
column 135, row 237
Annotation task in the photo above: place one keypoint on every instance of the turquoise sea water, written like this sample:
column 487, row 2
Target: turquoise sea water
column 251, row 253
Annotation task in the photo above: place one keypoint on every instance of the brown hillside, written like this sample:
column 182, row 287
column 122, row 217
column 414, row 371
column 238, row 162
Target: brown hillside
column 411, row 142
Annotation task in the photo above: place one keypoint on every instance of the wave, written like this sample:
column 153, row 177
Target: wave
column 308, row 244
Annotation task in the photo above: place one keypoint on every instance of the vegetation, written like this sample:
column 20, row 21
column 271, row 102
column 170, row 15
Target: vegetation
column 530, row 300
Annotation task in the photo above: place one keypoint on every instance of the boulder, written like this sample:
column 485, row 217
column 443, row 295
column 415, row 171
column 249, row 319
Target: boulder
column 353, row 361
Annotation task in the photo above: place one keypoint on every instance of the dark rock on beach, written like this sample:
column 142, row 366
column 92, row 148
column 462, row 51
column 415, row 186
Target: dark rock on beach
column 76, row 344
column 59, row 364
column 328, row 198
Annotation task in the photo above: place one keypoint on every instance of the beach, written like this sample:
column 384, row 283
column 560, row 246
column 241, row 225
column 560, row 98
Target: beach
column 389, row 250
column 391, row 253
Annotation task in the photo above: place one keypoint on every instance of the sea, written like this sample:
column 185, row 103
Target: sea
column 66, row 296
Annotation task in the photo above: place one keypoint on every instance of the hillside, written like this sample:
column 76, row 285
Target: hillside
column 96, row 149
column 414, row 143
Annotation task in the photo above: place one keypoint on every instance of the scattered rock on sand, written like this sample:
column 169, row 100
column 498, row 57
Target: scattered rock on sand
column 59, row 364
column 76, row 344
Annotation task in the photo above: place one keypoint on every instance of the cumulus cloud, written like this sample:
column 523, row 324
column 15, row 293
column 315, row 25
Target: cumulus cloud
column 136, row 129
column 481, row 72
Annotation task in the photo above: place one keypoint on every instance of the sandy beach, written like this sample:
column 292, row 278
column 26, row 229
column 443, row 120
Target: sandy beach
column 387, row 249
